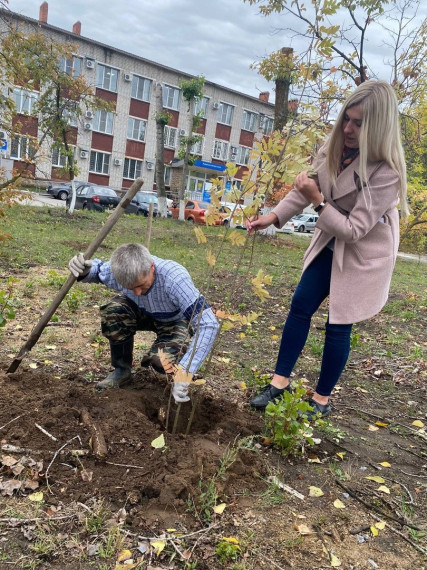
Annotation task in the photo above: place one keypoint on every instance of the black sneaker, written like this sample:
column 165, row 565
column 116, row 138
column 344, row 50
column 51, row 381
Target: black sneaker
column 323, row 409
column 268, row 394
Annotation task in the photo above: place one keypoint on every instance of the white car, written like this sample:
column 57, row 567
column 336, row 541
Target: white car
column 288, row 228
column 232, row 215
column 305, row 222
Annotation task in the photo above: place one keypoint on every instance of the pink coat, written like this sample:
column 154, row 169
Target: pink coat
column 365, row 248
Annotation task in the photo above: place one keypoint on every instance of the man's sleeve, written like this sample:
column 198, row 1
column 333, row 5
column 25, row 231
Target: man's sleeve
column 100, row 272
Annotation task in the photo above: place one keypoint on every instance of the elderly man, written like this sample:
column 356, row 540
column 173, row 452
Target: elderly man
column 155, row 295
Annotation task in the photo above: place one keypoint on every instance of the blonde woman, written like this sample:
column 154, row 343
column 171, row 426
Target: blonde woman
column 361, row 179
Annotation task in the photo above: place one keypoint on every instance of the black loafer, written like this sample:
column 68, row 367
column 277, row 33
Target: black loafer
column 319, row 410
column 268, row 394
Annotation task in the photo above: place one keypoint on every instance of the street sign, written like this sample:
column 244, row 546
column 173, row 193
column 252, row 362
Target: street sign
column 3, row 144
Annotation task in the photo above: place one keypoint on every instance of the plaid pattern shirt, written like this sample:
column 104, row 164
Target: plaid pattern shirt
column 172, row 297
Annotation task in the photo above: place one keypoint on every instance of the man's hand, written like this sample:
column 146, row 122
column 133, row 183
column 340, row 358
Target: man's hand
column 180, row 392
column 79, row 266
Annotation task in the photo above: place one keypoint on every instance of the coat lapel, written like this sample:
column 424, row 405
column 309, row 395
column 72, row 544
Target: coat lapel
column 348, row 180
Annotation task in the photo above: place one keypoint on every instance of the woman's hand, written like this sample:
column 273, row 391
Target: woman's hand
column 308, row 188
column 261, row 222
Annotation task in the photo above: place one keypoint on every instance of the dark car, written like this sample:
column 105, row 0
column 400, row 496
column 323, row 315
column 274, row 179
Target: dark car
column 61, row 190
column 141, row 204
column 93, row 197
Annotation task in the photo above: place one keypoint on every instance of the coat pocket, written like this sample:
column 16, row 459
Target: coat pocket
column 377, row 244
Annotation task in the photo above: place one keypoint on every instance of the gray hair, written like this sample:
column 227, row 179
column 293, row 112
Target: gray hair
column 129, row 263
column 379, row 138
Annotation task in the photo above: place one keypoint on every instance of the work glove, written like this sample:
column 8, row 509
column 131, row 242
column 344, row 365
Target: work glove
column 79, row 266
column 180, row 392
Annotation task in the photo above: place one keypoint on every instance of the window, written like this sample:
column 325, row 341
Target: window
column 225, row 114
column 242, row 155
column 220, row 150
column 136, row 129
column 170, row 137
column 22, row 148
column 132, row 168
column 141, row 88
column 248, row 123
column 106, row 78
column 99, row 162
column 197, row 147
column 167, row 175
column 71, row 66
column 201, row 106
column 70, row 113
column 59, row 159
column 103, row 122
column 267, row 125
column 170, row 97
column 24, row 100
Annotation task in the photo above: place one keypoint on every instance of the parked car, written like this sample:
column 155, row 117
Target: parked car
column 194, row 212
column 140, row 204
column 304, row 222
column 61, row 190
column 232, row 215
column 93, row 197
column 288, row 228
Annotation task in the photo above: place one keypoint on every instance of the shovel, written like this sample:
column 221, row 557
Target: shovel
column 102, row 234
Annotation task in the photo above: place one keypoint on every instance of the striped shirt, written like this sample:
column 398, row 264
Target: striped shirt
column 172, row 297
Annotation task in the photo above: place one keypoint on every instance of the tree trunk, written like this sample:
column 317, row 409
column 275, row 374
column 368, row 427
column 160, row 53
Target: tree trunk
column 160, row 147
column 282, row 96
column 186, row 158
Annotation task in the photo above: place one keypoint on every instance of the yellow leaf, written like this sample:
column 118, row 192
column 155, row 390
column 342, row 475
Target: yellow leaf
column 243, row 385
column 384, row 489
column 171, row 529
column 33, row 365
column 316, row 492
column 50, row 347
column 159, row 442
column 230, row 539
column 237, row 238
column 341, row 454
column 339, row 504
column 374, row 531
column 380, row 525
column 182, row 375
column 168, row 366
column 361, row 390
column 418, row 423
column 219, row 509
column 124, row 555
column 373, row 428
column 385, row 464
column 376, row 478
column 274, row 337
column 36, row 497
column 314, row 460
column 381, row 424
column 303, row 529
column 158, row 545
column 47, row 361
column 242, row 335
column 201, row 238
column 211, row 258
column 199, row 382
column 335, row 561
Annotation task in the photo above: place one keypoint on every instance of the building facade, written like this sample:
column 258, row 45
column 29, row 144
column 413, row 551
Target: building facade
column 114, row 148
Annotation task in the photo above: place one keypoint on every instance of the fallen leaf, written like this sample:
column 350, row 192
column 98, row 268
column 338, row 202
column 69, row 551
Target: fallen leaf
column 36, row 497
column 381, row 424
column 384, row 489
column 219, row 509
column 8, row 460
column 124, row 555
column 341, row 454
column 373, row 428
column 242, row 385
column 303, row 529
column 314, row 459
column 159, row 442
column 158, row 545
column 50, row 347
column 86, row 476
column 385, row 464
column 380, row 525
column 374, row 531
column 33, row 365
column 231, row 539
column 315, row 492
column 335, row 561
column 362, row 390
column 418, row 423
column 376, row 478
column 339, row 504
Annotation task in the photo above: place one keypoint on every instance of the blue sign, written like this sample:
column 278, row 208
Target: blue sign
column 228, row 186
column 4, row 145
column 210, row 165
column 206, row 196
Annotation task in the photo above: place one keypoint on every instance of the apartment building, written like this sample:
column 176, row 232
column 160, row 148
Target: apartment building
column 114, row 148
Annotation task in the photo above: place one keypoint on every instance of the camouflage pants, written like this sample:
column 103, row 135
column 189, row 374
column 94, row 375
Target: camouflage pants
column 121, row 318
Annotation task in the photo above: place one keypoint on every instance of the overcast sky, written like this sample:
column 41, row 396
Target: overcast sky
column 219, row 39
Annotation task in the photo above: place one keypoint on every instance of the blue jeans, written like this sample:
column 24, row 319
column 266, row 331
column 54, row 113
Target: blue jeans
column 311, row 291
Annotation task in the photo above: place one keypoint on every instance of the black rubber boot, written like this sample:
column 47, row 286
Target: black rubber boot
column 121, row 359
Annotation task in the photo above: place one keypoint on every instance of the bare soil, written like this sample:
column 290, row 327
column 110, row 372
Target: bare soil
column 166, row 488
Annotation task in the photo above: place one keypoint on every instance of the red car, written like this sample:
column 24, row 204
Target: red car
column 194, row 212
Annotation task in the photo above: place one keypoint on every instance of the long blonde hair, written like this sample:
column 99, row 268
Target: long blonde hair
column 379, row 138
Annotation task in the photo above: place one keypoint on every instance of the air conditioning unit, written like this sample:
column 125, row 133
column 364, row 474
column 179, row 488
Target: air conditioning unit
column 233, row 156
column 89, row 115
column 87, row 127
column 117, row 162
column 182, row 132
column 149, row 165
column 127, row 77
column 90, row 63
column 215, row 105
column 3, row 135
column 233, row 150
column 84, row 154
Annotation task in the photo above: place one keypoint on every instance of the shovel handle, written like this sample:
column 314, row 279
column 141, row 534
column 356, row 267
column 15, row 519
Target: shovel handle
column 93, row 246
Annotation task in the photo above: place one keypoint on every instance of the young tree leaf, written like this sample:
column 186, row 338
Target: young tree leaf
column 159, row 442
column 315, row 492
